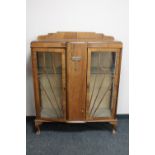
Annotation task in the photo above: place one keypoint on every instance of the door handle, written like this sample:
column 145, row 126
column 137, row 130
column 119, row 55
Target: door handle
column 76, row 58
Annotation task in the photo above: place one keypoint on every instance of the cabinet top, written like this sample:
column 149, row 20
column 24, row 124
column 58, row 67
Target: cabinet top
column 61, row 39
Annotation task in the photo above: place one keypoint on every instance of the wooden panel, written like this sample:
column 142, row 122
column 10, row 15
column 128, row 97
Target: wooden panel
column 68, row 35
column 47, row 44
column 88, row 83
column 35, row 82
column 105, row 44
column 64, row 40
column 103, row 49
column 116, row 83
column 76, row 80
column 73, row 36
column 83, row 121
column 64, row 84
column 58, row 50
column 83, row 35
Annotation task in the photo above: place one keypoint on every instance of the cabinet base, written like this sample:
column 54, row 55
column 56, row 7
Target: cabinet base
column 39, row 122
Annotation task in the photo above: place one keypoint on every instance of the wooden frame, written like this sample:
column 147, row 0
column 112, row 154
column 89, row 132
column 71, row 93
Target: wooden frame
column 76, row 49
column 115, row 84
column 36, row 84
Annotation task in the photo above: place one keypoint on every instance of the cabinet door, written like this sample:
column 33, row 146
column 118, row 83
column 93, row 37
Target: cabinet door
column 102, row 82
column 49, row 74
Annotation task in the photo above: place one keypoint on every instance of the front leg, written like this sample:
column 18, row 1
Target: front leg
column 37, row 126
column 114, row 124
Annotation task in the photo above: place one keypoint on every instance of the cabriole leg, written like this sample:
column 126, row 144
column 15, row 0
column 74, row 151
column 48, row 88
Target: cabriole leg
column 114, row 124
column 37, row 126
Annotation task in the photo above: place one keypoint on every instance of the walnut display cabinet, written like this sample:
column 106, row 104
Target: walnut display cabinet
column 76, row 77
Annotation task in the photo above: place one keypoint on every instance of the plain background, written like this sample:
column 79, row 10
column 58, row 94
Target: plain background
column 104, row 16
column 13, row 77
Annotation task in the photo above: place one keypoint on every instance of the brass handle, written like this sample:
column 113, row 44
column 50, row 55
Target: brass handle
column 76, row 58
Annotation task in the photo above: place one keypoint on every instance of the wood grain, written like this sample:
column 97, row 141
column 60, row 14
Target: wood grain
column 116, row 82
column 36, row 82
column 76, row 81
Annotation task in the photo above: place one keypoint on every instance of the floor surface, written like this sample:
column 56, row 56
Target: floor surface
column 77, row 139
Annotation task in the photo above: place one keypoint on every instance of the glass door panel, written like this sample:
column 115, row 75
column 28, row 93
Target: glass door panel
column 102, row 71
column 50, row 82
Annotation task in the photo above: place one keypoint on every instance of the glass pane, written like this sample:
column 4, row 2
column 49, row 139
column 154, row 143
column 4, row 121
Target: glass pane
column 101, row 80
column 50, row 80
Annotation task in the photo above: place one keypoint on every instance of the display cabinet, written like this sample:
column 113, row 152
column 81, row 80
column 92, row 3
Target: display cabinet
column 76, row 77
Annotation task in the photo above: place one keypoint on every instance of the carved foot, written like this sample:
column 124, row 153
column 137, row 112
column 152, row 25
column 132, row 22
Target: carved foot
column 114, row 124
column 38, row 132
column 37, row 127
column 113, row 131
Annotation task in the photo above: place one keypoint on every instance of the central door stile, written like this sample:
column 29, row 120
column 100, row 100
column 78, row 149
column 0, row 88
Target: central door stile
column 76, row 80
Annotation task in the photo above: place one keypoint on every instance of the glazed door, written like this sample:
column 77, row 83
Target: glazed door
column 102, row 82
column 50, row 86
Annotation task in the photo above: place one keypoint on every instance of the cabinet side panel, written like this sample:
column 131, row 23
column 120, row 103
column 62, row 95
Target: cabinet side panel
column 36, row 83
column 64, row 84
column 116, row 83
column 76, row 80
